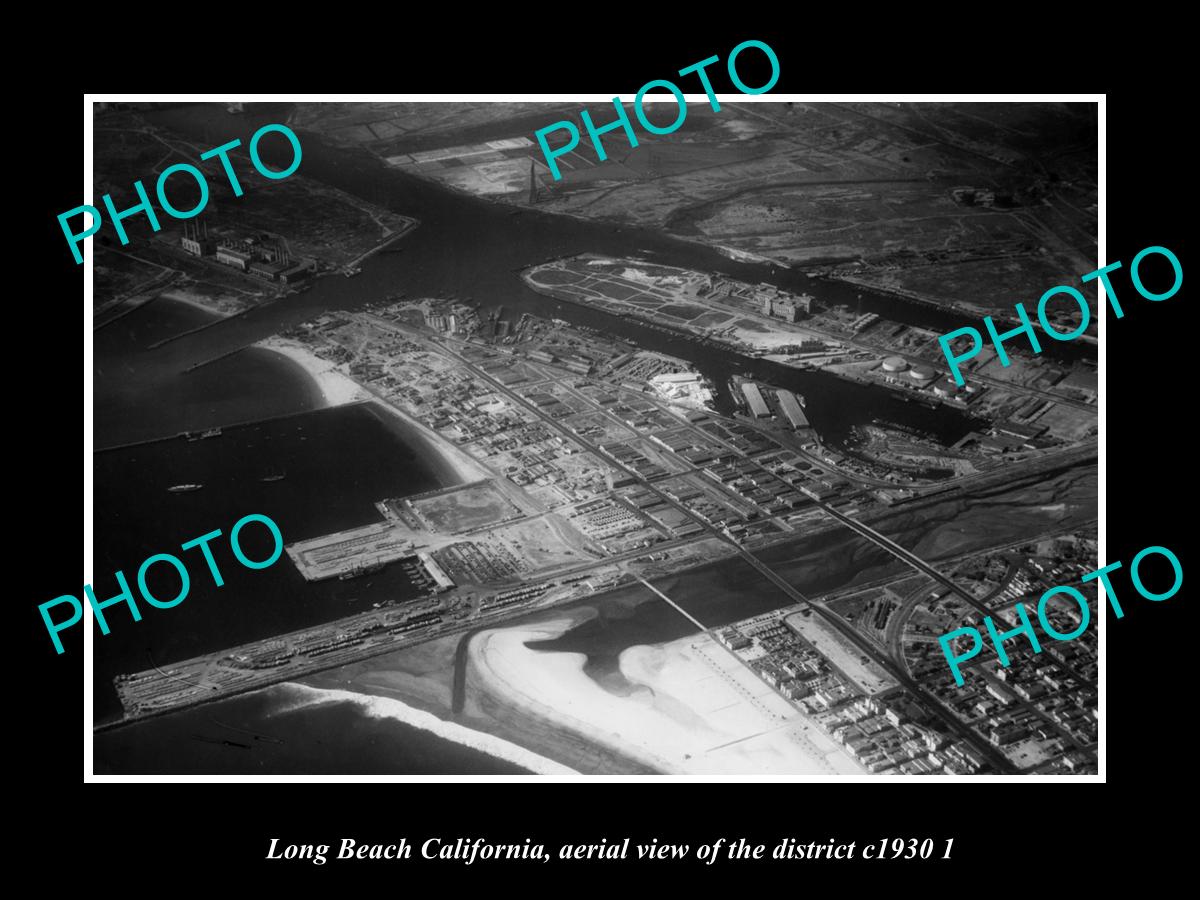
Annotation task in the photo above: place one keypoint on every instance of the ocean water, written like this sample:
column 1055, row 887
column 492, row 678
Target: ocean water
column 473, row 249
column 136, row 516
column 338, row 462
column 293, row 729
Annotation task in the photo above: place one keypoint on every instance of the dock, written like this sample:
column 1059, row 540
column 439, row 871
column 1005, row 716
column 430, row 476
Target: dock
column 350, row 553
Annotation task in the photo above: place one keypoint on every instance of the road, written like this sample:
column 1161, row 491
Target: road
column 998, row 761
column 921, row 566
column 980, row 605
column 559, row 293
column 866, row 647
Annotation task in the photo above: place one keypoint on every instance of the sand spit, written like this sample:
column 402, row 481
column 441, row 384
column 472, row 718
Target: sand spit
column 691, row 709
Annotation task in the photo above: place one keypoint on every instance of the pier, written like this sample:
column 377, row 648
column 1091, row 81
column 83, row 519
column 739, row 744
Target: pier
column 350, row 553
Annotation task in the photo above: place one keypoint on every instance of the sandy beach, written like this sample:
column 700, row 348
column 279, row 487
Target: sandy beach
column 337, row 388
column 693, row 709
column 389, row 708
column 226, row 303
column 180, row 295
column 423, row 677
column 454, row 465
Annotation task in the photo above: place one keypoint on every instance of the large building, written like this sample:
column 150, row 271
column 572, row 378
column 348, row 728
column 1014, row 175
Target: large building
column 296, row 273
column 267, row 271
column 754, row 397
column 195, row 239
column 239, row 259
column 792, row 410
column 922, row 375
column 785, row 307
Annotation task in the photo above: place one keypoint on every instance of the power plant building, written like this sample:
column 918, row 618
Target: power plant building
column 195, row 239
column 236, row 258
column 268, row 271
column 754, row 397
column 792, row 410
column 296, row 273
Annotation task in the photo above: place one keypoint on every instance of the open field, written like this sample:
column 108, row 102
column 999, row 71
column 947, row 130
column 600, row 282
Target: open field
column 834, row 647
column 466, row 508
column 322, row 223
column 967, row 204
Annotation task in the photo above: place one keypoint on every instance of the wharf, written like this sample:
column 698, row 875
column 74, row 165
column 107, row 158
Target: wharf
column 350, row 553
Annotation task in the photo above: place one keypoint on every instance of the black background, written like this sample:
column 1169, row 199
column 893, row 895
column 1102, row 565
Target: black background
column 1006, row 834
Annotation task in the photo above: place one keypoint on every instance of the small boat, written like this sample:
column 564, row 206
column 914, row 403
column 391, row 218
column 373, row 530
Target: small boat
column 274, row 476
column 184, row 488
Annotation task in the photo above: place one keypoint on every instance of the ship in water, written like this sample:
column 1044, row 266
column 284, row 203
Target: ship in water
column 359, row 570
column 184, row 488
column 202, row 435
column 274, row 476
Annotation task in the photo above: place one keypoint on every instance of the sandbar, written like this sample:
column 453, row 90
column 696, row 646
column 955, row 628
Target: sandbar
column 691, row 709
column 179, row 295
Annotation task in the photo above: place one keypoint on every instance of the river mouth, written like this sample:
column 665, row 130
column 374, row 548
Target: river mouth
column 474, row 249
column 465, row 247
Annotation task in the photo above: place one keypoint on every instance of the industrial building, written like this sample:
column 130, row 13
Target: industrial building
column 947, row 387
column 270, row 261
column 195, row 239
column 922, row 375
column 238, row 259
column 792, row 410
column 268, row 271
column 441, row 580
column 785, row 307
column 754, row 397
column 298, row 272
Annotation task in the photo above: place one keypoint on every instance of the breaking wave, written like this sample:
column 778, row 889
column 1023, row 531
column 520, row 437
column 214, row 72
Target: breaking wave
column 294, row 697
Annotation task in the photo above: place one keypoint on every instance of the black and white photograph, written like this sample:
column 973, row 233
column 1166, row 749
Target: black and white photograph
column 741, row 434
